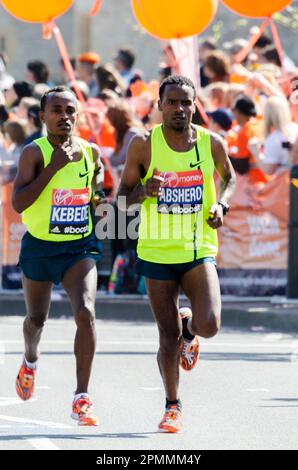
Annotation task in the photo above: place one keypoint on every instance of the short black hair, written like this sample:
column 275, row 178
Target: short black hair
column 245, row 105
column 263, row 41
column 271, row 54
column 39, row 70
column 127, row 57
column 178, row 80
column 56, row 89
column 33, row 113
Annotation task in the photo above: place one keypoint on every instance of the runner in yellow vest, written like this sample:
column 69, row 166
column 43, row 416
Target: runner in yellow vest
column 170, row 173
column 53, row 190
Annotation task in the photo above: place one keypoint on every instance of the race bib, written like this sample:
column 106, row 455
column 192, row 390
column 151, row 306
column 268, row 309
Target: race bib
column 181, row 192
column 70, row 211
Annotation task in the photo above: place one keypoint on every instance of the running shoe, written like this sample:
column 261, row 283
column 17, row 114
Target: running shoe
column 83, row 412
column 171, row 421
column 189, row 348
column 25, row 382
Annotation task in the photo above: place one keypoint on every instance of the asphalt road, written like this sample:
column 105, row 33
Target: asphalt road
column 243, row 393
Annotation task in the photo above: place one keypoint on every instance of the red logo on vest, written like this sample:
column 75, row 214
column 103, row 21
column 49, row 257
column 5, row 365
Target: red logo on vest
column 63, row 197
column 170, row 179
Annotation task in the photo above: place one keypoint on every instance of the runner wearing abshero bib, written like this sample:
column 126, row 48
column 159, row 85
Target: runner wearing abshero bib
column 170, row 172
column 54, row 190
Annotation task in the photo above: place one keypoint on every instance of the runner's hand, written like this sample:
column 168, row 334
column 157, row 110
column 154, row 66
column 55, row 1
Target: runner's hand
column 62, row 155
column 215, row 219
column 99, row 198
column 152, row 188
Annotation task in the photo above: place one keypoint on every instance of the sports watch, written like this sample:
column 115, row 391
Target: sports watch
column 225, row 207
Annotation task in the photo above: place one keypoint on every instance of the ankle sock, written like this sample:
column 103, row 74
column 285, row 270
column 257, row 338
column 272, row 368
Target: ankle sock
column 174, row 402
column 80, row 395
column 185, row 332
column 30, row 365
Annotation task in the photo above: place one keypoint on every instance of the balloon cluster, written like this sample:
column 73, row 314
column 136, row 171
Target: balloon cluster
column 166, row 19
column 36, row 11
column 256, row 8
column 169, row 19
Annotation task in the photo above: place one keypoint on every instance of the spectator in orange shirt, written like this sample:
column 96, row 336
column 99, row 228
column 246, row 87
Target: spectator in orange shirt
column 248, row 126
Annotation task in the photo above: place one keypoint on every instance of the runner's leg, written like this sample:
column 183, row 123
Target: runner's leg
column 80, row 283
column 38, row 298
column 163, row 297
column 201, row 286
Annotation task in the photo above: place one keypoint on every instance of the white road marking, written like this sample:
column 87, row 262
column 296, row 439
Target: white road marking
column 48, row 424
column 257, row 390
column 6, row 401
column 257, row 309
column 273, row 337
column 294, row 356
column 42, row 443
column 13, row 426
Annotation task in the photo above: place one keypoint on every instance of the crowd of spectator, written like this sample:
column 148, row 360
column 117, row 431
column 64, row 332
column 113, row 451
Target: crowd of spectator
column 253, row 105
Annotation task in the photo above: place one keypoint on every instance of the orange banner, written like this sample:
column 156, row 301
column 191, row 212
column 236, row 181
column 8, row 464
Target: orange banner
column 13, row 229
column 255, row 233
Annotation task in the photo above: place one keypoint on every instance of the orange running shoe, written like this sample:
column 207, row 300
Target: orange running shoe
column 189, row 349
column 171, row 421
column 83, row 412
column 25, row 382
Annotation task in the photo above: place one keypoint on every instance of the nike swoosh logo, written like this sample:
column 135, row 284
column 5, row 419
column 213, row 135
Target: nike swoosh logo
column 193, row 165
column 82, row 175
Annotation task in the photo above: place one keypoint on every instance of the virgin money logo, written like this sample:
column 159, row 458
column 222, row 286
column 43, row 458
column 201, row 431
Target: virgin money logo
column 170, row 179
column 63, row 197
column 182, row 179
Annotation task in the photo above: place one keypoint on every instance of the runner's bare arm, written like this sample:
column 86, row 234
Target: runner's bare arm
column 228, row 179
column 223, row 167
column 130, row 190
column 98, row 177
column 99, row 169
column 32, row 177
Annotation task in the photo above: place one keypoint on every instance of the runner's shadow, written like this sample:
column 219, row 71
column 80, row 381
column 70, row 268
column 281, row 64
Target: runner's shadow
column 284, row 399
column 125, row 435
column 290, row 400
column 245, row 356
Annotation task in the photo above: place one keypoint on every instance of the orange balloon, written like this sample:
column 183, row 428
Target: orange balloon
column 256, row 8
column 37, row 11
column 170, row 19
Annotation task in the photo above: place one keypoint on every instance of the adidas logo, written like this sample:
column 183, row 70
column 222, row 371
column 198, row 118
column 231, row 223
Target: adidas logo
column 163, row 210
column 55, row 230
